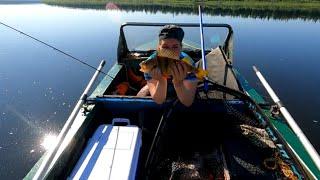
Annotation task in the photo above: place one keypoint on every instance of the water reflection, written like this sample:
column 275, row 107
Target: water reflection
column 304, row 14
column 23, row 117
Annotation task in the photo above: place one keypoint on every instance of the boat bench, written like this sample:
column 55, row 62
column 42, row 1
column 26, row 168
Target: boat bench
column 111, row 153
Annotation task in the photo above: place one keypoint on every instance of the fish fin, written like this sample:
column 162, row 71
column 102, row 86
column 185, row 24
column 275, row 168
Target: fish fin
column 200, row 74
column 185, row 60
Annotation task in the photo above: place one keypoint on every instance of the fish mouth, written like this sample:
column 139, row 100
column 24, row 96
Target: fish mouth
column 143, row 68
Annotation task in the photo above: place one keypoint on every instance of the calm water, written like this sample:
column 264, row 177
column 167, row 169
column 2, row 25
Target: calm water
column 39, row 86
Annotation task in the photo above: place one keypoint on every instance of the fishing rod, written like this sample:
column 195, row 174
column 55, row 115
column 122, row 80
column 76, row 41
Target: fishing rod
column 292, row 123
column 54, row 48
column 204, row 62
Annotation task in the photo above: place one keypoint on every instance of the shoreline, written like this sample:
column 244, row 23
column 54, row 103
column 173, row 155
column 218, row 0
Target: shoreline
column 251, row 4
column 256, row 9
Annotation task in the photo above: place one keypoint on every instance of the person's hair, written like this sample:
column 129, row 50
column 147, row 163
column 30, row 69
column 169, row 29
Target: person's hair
column 163, row 39
column 171, row 31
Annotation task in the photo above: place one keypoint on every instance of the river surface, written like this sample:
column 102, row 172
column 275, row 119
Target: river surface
column 39, row 86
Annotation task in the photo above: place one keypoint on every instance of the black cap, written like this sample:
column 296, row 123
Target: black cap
column 171, row 31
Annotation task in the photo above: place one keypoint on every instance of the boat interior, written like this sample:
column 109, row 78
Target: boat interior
column 215, row 138
column 218, row 137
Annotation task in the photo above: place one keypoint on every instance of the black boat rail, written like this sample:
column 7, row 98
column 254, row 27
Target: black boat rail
column 123, row 47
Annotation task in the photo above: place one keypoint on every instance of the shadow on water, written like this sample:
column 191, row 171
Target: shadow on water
column 267, row 13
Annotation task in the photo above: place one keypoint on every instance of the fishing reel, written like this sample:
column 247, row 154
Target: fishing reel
column 274, row 110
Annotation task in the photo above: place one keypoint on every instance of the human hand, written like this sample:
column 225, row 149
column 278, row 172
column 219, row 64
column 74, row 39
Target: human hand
column 156, row 74
column 179, row 72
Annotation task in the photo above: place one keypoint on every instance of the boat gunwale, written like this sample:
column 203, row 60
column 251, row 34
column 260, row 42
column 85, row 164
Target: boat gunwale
column 296, row 155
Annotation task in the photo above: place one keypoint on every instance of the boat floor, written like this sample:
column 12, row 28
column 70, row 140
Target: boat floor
column 213, row 145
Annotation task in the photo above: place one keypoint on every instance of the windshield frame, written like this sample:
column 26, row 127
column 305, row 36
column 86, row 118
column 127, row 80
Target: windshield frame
column 123, row 50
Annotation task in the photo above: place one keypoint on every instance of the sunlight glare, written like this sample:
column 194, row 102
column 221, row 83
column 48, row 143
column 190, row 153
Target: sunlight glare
column 49, row 140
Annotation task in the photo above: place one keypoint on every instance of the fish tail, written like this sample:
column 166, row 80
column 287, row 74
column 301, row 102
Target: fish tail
column 200, row 73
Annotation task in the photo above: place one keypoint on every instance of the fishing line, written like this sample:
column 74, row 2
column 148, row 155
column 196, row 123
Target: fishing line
column 54, row 48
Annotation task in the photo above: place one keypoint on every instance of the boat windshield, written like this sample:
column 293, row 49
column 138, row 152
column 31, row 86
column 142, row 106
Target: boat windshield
column 145, row 38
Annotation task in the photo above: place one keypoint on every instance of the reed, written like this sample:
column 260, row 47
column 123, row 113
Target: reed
column 284, row 9
column 248, row 4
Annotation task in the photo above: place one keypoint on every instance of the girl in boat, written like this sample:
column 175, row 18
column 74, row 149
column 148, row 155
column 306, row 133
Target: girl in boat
column 180, row 81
